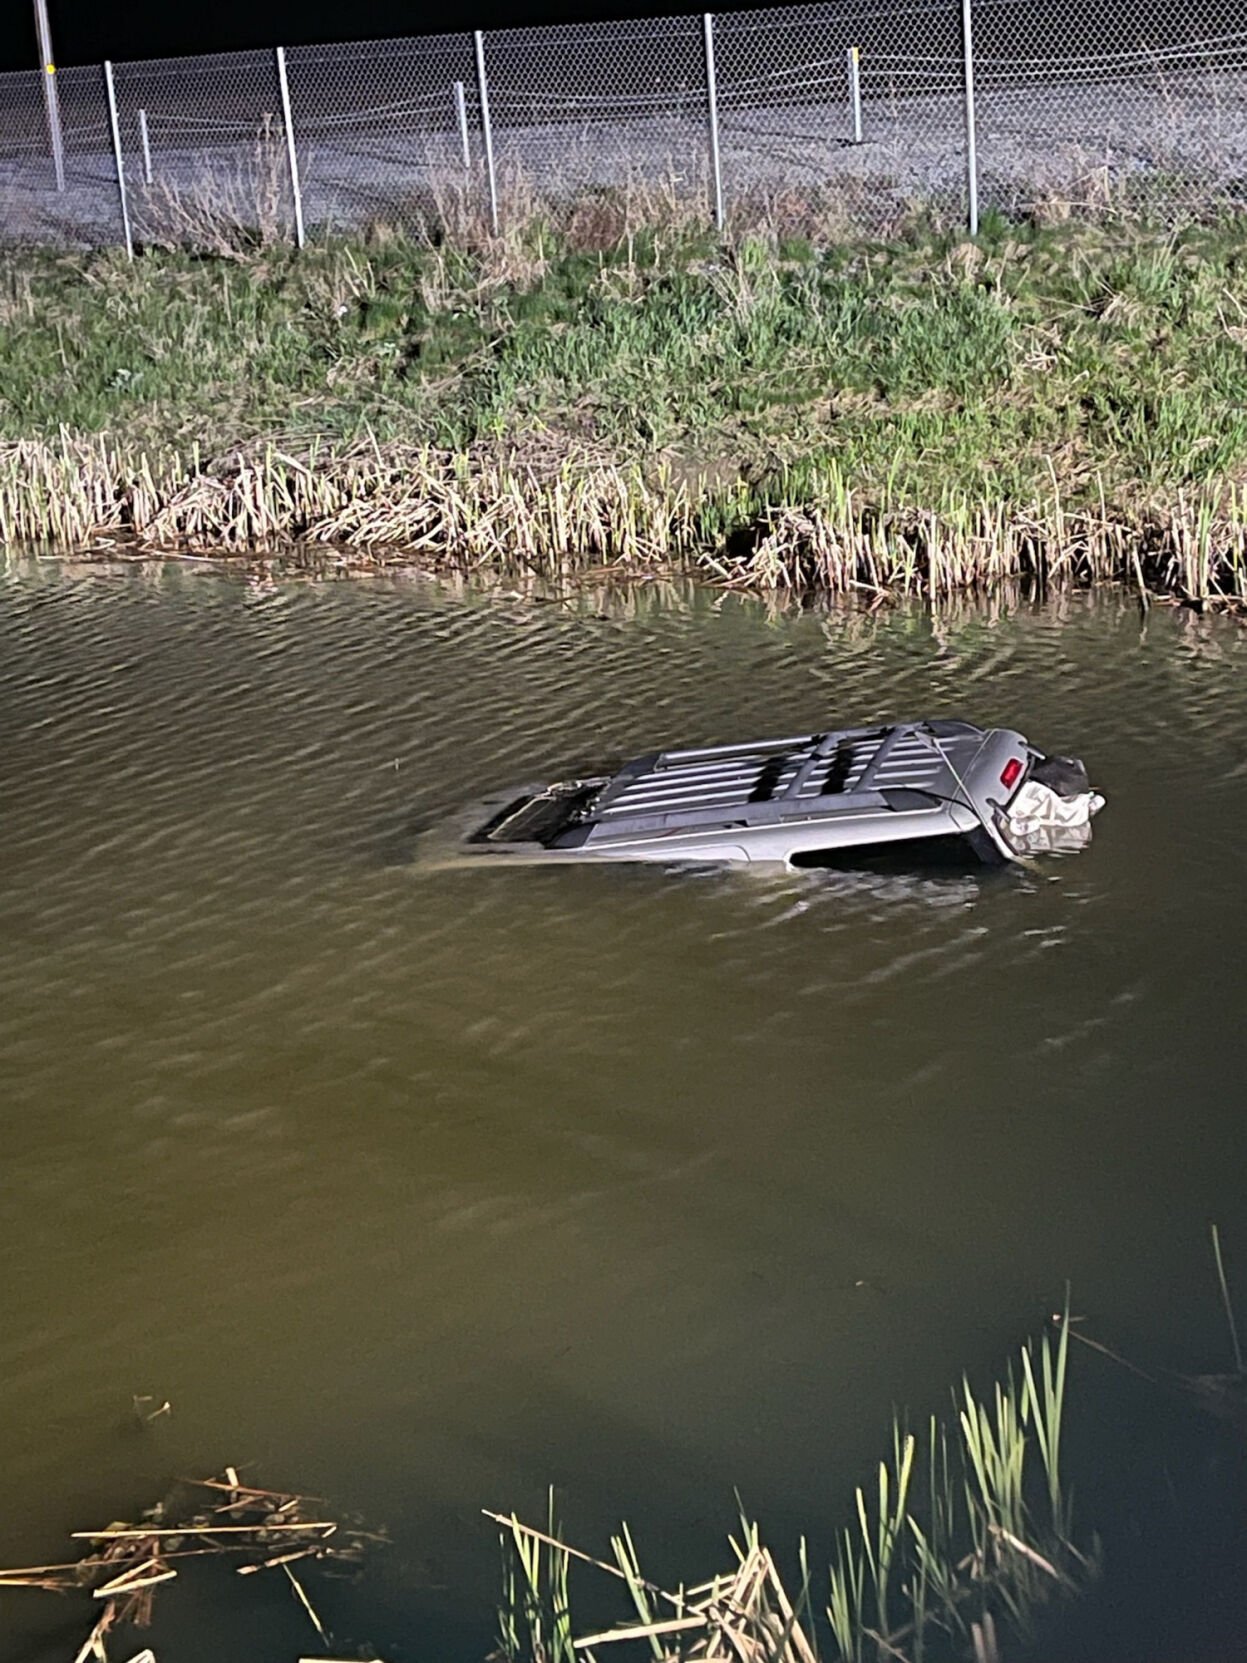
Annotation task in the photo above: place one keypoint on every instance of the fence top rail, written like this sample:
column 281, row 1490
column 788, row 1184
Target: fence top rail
column 331, row 54
column 649, row 31
column 197, row 63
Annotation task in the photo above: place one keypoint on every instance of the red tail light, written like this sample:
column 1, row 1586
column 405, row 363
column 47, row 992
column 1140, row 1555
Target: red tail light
column 1011, row 773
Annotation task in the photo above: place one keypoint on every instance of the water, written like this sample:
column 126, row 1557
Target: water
column 422, row 1189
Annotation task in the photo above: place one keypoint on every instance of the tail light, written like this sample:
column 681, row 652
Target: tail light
column 1011, row 773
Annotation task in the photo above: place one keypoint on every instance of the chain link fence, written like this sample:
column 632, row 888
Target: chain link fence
column 203, row 147
column 1119, row 109
column 385, row 130
column 853, row 117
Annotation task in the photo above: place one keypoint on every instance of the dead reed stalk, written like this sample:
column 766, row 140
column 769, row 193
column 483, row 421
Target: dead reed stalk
column 577, row 509
column 257, row 1529
column 229, row 211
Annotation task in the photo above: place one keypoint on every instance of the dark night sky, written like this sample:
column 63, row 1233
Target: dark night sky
column 87, row 31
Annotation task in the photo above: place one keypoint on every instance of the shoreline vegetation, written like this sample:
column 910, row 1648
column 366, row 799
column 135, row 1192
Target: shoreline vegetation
column 958, row 1548
column 621, row 388
column 955, row 1550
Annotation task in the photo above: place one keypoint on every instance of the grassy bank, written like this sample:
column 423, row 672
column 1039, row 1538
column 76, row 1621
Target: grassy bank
column 930, row 414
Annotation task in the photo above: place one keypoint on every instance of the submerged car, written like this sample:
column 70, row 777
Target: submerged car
column 804, row 801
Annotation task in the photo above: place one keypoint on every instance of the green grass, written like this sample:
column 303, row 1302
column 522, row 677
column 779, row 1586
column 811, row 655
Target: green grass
column 911, row 366
column 964, row 1536
column 1069, row 371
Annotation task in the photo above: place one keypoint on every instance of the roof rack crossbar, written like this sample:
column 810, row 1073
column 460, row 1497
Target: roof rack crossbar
column 824, row 745
column 902, row 730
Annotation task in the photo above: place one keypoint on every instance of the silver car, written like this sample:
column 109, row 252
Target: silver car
column 804, row 801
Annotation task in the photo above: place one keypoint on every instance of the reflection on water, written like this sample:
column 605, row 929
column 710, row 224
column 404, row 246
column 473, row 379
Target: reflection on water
column 424, row 1188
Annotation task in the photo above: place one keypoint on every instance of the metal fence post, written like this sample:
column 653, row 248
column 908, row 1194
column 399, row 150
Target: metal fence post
column 51, row 99
column 482, row 87
column 290, row 150
column 145, row 147
column 461, row 115
column 972, row 159
column 712, row 97
column 855, row 92
column 121, row 172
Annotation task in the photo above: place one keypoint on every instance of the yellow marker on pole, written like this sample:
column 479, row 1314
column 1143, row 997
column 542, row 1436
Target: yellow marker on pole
column 51, row 102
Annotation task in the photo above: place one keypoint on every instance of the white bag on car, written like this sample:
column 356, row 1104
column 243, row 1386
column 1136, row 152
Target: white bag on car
column 1040, row 821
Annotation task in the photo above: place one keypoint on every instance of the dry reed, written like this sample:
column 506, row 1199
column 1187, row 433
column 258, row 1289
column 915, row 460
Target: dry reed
column 574, row 510
column 241, row 206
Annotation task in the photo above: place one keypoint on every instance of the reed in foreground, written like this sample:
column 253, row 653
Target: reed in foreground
column 954, row 1550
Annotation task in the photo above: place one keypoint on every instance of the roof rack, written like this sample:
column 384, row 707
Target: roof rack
column 766, row 780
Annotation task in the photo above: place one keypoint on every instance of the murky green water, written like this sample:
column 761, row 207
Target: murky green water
column 422, row 1189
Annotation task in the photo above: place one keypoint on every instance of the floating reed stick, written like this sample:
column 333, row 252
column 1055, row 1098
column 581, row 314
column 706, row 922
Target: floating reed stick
column 325, row 1526
column 306, row 1603
column 1225, row 1299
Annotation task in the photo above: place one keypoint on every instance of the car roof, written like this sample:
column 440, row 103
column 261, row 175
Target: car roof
column 759, row 783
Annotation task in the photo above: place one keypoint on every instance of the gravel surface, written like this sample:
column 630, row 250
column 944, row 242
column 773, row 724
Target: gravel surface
column 1180, row 145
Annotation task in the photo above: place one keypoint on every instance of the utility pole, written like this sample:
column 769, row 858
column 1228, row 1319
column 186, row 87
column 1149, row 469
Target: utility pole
column 47, row 74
